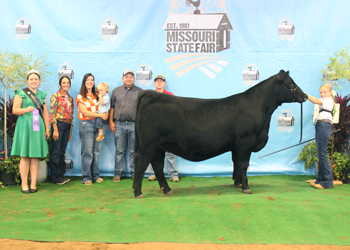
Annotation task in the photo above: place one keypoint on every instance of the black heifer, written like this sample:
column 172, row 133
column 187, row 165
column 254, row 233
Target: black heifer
column 198, row 129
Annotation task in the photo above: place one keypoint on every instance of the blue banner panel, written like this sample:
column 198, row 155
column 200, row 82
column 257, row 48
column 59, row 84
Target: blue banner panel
column 204, row 48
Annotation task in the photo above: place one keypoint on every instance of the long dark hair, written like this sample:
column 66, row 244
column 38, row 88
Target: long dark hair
column 83, row 89
column 61, row 79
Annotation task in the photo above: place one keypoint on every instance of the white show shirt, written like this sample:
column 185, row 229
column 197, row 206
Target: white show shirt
column 327, row 104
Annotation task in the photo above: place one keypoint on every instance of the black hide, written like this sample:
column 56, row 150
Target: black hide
column 198, row 129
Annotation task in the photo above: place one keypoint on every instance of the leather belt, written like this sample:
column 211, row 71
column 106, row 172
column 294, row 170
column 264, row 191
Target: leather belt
column 325, row 120
column 65, row 120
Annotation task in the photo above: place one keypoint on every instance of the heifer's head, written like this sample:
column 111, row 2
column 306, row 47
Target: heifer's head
column 287, row 89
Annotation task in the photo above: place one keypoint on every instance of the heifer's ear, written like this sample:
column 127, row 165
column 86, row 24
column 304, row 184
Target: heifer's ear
column 282, row 76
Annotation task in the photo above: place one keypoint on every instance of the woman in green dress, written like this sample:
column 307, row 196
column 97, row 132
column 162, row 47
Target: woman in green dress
column 30, row 139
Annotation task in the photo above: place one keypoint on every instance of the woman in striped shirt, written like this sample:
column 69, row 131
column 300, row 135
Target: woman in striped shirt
column 87, row 102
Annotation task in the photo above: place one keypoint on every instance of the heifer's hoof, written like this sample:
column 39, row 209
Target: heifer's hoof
column 247, row 191
column 139, row 197
column 170, row 192
column 238, row 185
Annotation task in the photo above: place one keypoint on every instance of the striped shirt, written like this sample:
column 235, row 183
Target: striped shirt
column 91, row 104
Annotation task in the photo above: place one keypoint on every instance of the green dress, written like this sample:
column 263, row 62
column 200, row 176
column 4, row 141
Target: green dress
column 26, row 142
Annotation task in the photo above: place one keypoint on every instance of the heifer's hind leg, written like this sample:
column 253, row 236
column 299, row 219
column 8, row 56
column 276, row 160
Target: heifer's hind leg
column 158, row 167
column 236, row 175
column 241, row 161
column 140, row 169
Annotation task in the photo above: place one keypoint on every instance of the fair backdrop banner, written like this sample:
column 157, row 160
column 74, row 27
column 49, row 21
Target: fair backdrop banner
column 204, row 48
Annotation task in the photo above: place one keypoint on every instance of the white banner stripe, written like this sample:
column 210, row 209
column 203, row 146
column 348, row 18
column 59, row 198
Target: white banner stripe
column 183, row 56
column 175, row 66
column 193, row 66
column 214, row 67
column 207, row 72
column 222, row 63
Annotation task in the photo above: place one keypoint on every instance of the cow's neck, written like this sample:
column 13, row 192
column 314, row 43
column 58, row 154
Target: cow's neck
column 264, row 94
column 266, row 99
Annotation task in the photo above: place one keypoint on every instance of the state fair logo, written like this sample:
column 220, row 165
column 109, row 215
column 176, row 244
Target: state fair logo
column 144, row 74
column 109, row 29
column 65, row 69
column 286, row 29
column 285, row 121
column 250, row 74
column 199, row 31
column 23, row 28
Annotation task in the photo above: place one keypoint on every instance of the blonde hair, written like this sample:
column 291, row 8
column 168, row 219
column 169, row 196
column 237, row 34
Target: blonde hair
column 103, row 85
column 329, row 88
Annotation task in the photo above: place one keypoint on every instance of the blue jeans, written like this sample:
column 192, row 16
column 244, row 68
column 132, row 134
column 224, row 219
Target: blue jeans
column 325, row 175
column 100, row 122
column 90, row 151
column 170, row 165
column 58, row 150
column 124, row 138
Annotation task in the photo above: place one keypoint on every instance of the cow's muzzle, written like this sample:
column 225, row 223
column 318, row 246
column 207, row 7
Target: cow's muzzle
column 305, row 97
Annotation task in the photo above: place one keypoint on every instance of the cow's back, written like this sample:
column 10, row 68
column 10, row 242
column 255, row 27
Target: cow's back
column 195, row 129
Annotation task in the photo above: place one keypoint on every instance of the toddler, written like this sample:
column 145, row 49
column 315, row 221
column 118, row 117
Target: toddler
column 103, row 107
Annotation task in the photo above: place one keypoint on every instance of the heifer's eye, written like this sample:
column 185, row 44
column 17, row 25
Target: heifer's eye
column 292, row 84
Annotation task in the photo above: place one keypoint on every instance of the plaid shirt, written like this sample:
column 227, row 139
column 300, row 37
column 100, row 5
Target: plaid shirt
column 91, row 103
column 61, row 107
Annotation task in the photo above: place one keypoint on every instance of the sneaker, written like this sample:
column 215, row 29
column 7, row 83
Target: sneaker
column 100, row 137
column 66, row 179
column 88, row 183
column 99, row 180
column 337, row 183
column 61, row 182
column 175, row 179
column 152, row 178
column 116, row 179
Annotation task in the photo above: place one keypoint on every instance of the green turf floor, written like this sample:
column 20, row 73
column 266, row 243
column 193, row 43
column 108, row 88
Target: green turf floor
column 281, row 210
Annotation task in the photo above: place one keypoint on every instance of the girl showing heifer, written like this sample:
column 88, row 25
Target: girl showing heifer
column 323, row 129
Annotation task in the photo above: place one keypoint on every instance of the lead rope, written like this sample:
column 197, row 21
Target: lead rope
column 301, row 121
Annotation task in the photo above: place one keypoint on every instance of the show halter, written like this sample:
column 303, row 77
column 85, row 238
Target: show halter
column 293, row 90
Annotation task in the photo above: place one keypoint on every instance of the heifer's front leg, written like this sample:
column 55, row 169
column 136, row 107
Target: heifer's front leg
column 140, row 169
column 158, row 167
column 241, row 161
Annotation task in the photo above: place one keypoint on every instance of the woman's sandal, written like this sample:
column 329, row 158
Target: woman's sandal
column 25, row 191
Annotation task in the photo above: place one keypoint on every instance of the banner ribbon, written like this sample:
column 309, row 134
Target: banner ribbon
column 36, row 120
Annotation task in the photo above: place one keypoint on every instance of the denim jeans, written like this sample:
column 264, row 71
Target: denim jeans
column 58, row 150
column 124, row 138
column 90, row 151
column 325, row 175
column 170, row 164
column 99, row 123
